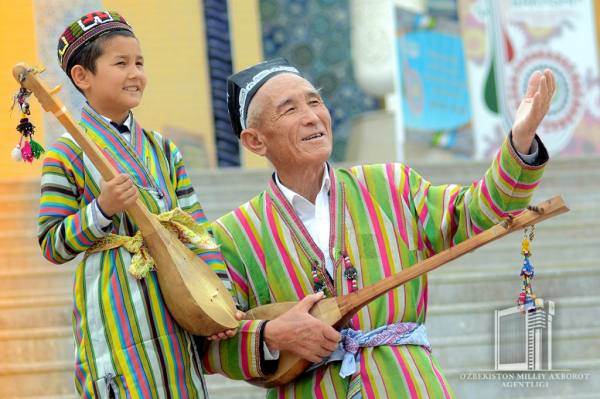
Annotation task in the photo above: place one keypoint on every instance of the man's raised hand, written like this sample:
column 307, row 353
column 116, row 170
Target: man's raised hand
column 532, row 109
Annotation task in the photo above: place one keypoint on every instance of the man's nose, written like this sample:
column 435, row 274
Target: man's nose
column 309, row 116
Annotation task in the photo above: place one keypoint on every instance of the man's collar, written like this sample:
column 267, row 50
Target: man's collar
column 293, row 197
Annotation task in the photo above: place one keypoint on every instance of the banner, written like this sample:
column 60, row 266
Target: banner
column 434, row 108
column 505, row 42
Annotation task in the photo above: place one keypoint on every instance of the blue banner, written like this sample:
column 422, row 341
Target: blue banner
column 434, row 91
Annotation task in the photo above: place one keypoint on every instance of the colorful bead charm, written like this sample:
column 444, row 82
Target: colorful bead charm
column 319, row 283
column 350, row 273
column 527, row 302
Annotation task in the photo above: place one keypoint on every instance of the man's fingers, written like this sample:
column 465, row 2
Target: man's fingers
column 329, row 345
column 331, row 334
column 533, row 85
column 313, row 358
column 307, row 303
column 551, row 81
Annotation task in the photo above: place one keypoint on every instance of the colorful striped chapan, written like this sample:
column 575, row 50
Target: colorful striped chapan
column 385, row 218
column 126, row 339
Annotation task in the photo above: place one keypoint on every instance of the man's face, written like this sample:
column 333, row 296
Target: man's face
column 294, row 125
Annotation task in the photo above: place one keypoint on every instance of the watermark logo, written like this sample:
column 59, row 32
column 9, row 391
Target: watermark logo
column 523, row 350
column 523, row 342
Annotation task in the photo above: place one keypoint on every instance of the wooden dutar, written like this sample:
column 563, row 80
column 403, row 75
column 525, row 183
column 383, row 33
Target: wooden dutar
column 193, row 293
column 338, row 311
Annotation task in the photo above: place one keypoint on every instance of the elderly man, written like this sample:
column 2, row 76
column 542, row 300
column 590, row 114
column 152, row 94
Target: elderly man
column 318, row 231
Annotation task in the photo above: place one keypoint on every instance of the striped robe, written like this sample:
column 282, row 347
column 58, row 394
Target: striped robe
column 124, row 334
column 386, row 218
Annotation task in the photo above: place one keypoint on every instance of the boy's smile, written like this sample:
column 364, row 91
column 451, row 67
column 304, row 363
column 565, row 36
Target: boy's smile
column 120, row 79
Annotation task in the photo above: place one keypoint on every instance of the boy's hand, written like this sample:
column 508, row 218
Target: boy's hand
column 117, row 194
column 227, row 333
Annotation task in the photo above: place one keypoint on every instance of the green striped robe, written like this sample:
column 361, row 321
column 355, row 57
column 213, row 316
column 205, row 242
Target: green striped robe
column 386, row 218
column 125, row 336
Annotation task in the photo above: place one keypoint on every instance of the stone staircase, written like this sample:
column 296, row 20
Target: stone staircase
column 36, row 344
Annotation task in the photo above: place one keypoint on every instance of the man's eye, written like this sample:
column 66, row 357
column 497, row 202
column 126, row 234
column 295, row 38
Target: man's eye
column 290, row 109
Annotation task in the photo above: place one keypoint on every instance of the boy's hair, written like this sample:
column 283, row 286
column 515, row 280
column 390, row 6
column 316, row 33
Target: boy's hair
column 88, row 55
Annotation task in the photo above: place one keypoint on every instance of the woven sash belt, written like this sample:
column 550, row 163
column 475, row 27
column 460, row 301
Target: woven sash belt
column 181, row 224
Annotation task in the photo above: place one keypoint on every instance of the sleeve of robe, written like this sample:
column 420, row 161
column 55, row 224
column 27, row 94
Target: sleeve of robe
column 445, row 215
column 66, row 224
column 238, row 357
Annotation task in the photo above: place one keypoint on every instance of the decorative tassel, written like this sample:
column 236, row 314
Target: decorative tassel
column 36, row 149
column 527, row 302
column 26, row 152
column 16, row 154
column 30, row 149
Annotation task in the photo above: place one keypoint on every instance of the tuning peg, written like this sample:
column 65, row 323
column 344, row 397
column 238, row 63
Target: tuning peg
column 39, row 68
column 56, row 89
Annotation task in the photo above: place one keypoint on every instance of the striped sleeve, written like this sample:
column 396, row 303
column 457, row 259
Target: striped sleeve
column 449, row 214
column 66, row 225
column 188, row 200
column 238, row 357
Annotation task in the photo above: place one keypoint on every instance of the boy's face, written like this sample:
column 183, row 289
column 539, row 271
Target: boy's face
column 120, row 79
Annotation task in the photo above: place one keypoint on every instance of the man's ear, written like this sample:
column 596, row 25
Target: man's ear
column 251, row 139
column 80, row 77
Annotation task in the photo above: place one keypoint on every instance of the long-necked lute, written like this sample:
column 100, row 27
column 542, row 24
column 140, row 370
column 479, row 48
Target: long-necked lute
column 338, row 311
column 194, row 294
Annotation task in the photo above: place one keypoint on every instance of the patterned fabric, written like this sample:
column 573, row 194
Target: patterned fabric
column 352, row 341
column 124, row 334
column 386, row 218
column 85, row 30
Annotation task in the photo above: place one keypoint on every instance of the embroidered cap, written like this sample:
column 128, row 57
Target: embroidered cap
column 242, row 86
column 85, row 30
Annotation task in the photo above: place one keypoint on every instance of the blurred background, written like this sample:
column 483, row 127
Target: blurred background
column 434, row 84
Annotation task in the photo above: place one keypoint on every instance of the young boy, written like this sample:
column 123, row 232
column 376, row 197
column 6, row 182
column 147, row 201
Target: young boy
column 128, row 345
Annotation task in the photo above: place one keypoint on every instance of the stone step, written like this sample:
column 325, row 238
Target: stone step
column 55, row 379
column 36, row 345
column 36, row 280
column 44, row 311
column 220, row 387
column 473, row 318
column 506, row 285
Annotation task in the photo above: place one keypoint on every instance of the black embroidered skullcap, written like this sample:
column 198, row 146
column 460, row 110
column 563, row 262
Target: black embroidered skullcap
column 84, row 31
column 242, row 86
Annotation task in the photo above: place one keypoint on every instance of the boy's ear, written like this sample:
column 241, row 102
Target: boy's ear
column 80, row 77
column 251, row 139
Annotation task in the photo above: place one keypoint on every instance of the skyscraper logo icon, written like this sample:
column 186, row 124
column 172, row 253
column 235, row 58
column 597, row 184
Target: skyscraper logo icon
column 523, row 342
